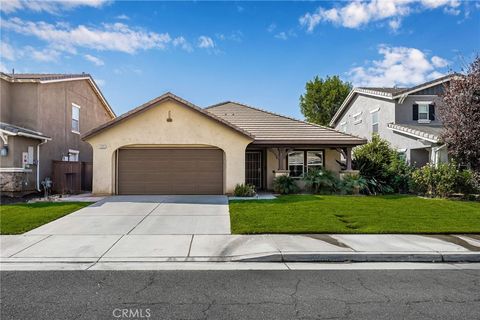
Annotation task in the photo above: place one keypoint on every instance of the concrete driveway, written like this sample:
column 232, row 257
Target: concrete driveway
column 145, row 215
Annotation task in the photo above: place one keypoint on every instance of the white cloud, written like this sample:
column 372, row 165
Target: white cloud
column 395, row 24
column 3, row 68
column 50, row 6
column 400, row 66
column 6, row 51
column 439, row 62
column 112, row 37
column 236, row 36
column 205, row 42
column 271, row 27
column 356, row 14
column 123, row 17
column 285, row 35
column 182, row 43
column 281, row 35
column 96, row 61
column 42, row 55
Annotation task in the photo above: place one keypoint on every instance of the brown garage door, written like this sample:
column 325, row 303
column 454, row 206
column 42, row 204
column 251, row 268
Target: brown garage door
column 170, row 171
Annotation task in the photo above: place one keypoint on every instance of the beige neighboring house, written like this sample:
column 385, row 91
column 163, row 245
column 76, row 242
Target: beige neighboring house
column 170, row 146
column 42, row 117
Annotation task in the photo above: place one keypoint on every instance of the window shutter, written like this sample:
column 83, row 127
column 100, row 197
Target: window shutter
column 415, row 111
column 431, row 112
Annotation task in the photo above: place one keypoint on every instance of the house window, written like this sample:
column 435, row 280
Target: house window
column 375, row 121
column 73, row 155
column 314, row 160
column 300, row 162
column 423, row 112
column 75, row 118
column 296, row 163
column 344, row 126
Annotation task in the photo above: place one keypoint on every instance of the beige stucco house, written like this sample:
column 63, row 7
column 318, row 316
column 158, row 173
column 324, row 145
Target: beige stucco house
column 170, row 146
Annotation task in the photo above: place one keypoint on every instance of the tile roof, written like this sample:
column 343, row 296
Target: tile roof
column 16, row 130
column 394, row 91
column 429, row 132
column 271, row 128
column 390, row 91
column 46, row 76
column 41, row 77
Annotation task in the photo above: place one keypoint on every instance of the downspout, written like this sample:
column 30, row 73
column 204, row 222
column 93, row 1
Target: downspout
column 38, row 164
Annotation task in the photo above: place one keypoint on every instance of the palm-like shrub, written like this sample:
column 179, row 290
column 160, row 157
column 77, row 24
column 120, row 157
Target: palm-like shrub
column 285, row 185
column 321, row 180
column 354, row 184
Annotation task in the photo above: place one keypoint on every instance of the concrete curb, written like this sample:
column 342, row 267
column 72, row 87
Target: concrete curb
column 428, row 257
column 363, row 257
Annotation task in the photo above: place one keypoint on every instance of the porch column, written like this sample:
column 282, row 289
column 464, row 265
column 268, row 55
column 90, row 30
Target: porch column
column 282, row 154
column 348, row 156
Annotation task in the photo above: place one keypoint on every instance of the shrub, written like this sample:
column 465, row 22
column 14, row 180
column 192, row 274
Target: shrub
column 285, row 185
column 244, row 190
column 382, row 167
column 354, row 184
column 443, row 180
column 321, row 180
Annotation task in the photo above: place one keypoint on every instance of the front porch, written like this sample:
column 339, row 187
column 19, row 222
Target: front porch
column 265, row 162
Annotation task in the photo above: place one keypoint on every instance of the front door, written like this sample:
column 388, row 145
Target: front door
column 253, row 169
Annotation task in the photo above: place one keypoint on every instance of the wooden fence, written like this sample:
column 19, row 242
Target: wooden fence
column 71, row 177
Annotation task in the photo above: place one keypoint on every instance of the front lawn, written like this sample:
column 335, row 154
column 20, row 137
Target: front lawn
column 354, row 214
column 22, row 217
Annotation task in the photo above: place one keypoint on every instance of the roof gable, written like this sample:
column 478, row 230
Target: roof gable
column 388, row 93
column 59, row 77
column 270, row 128
column 152, row 103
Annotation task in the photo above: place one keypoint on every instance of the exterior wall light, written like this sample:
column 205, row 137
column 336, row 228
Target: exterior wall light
column 4, row 151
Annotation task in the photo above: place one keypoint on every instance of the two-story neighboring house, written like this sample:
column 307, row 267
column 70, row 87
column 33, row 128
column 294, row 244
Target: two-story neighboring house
column 41, row 119
column 406, row 117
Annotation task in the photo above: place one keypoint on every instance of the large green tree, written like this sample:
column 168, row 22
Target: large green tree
column 323, row 98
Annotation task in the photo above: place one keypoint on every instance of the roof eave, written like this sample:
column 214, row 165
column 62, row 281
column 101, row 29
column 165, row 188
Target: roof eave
column 350, row 96
column 164, row 97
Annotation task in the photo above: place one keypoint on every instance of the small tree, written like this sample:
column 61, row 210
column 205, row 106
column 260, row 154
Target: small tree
column 323, row 98
column 460, row 114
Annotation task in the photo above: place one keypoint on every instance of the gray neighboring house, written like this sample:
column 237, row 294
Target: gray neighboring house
column 42, row 117
column 406, row 117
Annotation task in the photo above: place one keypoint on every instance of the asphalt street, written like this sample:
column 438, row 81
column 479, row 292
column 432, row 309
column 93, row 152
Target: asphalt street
column 319, row 294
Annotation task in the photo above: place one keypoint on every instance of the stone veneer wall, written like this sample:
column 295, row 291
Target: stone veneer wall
column 16, row 183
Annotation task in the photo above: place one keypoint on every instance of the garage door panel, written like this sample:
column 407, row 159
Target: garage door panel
column 170, row 171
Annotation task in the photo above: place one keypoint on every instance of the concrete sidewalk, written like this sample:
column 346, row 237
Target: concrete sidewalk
column 247, row 248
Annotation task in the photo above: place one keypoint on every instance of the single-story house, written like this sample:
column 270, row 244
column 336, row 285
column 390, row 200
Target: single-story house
column 170, row 146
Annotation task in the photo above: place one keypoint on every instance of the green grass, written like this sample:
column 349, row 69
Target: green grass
column 354, row 214
column 22, row 217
